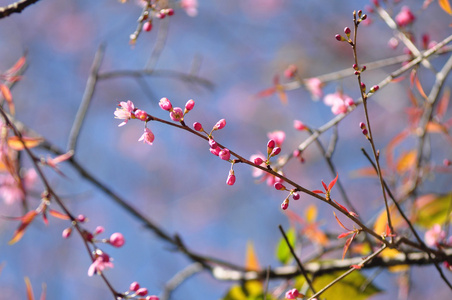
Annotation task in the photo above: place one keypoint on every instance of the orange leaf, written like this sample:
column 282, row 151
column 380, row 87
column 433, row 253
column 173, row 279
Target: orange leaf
column 342, row 235
column 282, row 94
column 265, row 93
column 17, row 66
column 6, row 93
column 347, row 245
column 341, row 206
column 443, row 104
column 43, row 294
column 251, row 262
column 30, row 295
column 311, row 213
column 445, row 5
column 406, row 161
column 391, row 146
column 364, row 172
column 58, row 215
column 419, row 87
column 435, row 127
column 340, row 223
column 16, row 143
column 26, row 220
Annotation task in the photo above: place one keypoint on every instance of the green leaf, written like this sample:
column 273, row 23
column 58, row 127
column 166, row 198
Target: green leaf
column 237, row 292
column 282, row 250
column 355, row 286
column 432, row 209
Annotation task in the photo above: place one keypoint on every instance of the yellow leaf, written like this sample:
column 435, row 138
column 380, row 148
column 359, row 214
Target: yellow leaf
column 433, row 209
column 16, row 143
column 382, row 221
column 251, row 262
column 311, row 213
column 406, row 161
column 390, row 253
column 444, row 4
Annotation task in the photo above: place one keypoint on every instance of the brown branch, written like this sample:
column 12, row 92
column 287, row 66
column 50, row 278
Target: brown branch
column 16, row 7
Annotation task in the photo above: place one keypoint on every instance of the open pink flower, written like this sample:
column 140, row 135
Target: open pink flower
column 339, row 102
column 124, row 112
column 147, row 137
column 293, row 294
column 434, row 236
column 177, row 115
column 314, row 86
column 405, row 17
column 101, row 261
column 11, row 189
column 190, row 7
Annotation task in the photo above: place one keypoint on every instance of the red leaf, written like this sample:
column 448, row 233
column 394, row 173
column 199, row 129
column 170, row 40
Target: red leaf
column 357, row 267
column 17, row 66
column 332, row 183
column 43, row 294
column 340, row 223
column 342, row 235
column 266, row 93
column 324, row 186
column 58, row 215
column 318, row 192
column 347, row 245
column 341, row 206
column 443, row 104
column 26, row 220
column 6, row 93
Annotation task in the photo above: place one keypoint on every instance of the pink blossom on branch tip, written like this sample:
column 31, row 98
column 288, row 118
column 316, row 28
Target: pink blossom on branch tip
column 165, row 104
column 117, row 240
column 124, row 112
column 147, row 137
column 231, row 178
column 220, row 124
column 224, row 154
column 101, row 261
column 434, row 236
column 278, row 136
column 293, row 294
column 339, row 102
column 314, row 86
column 177, row 115
column 405, row 17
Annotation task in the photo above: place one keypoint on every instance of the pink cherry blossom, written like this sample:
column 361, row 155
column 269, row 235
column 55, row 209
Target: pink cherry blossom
column 278, row 136
column 177, row 115
column 339, row 102
column 434, row 236
column 215, row 151
column 189, row 105
column 290, row 71
column 124, row 112
column 147, row 137
column 101, row 261
column 220, row 124
column 298, row 125
column 231, row 178
column 141, row 114
column 134, row 286
column 190, row 7
column 142, row 292
column 117, row 240
column 197, row 126
column 152, row 297
column 99, row 230
column 67, row 232
column 11, row 190
column 314, row 86
column 405, row 17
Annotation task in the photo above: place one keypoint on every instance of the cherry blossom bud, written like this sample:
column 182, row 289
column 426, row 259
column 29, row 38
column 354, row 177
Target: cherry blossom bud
column 197, row 126
column 117, row 240
column 215, row 151
column 271, row 144
column 231, row 178
column 275, row 151
column 81, row 218
column 374, row 88
column 363, row 68
column 160, row 15
column 355, row 66
column 296, row 196
column 298, row 125
column 134, row 286
column 220, row 124
column 292, row 294
column 362, row 125
column 224, row 154
column 153, row 297
column 258, row 161
column 189, row 105
column 393, row 43
column 142, row 292
column 99, row 230
column 279, row 186
column 363, row 86
column 365, row 132
column 177, row 115
column 285, row 204
column 347, row 31
column 147, row 26
column 147, row 137
column 170, row 11
column 405, row 17
column 165, row 104
column 141, row 114
column 363, row 17
column 339, row 38
column 213, row 144
column 446, row 162
column 67, row 232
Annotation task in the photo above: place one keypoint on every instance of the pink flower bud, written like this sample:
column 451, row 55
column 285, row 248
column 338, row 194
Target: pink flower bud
column 271, row 144
column 374, row 88
column 177, row 115
column 258, row 161
column 224, row 154
column 220, row 124
column 279, row 186
column 81, row 218
column 117, row 240
column 231, row 178
column 99, row 230
column 147, row 26
column 141, row 114
column 197, row 126
column 153, row 297
column 298, row 125
column 142, row 292
column 165, row 104
column 170, row 11
column 213, row 144
column 446, row 162
column 215, row 151
column 284, row 206
column 365, row 132
column 292, row 294
column 296, row 196
column 339, row 37
column 275, row 151
column 347, row 30
column 67, row 232
column 362, row 125
column 160, row 15
column 134, row 286
column 404, row 17
column 290, row 71
column 189, row 105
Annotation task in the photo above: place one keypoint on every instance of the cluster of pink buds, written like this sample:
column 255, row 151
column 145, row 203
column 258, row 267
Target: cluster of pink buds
column 295, row 195
column 358, row 70
column 364, row 130
column 176, row 113
column 137, row 292
column 128, row 111
column 294, row 294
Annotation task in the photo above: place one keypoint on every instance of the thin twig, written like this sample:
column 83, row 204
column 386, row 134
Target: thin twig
column 179, row 278
column 16, row 7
